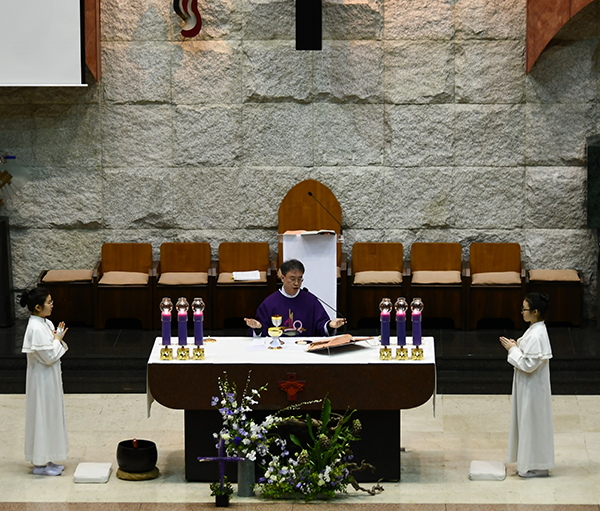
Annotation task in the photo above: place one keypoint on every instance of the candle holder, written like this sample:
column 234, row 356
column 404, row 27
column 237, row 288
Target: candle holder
column 183, row 353
column 198, row 353
column 401, row 353
column 385, row 353
column 416, row 307
column 198, row 308
column 275, row 334
column 401, row 307
column 385, row 306
column 166, row 353
column 182, row 317
column 417, row 353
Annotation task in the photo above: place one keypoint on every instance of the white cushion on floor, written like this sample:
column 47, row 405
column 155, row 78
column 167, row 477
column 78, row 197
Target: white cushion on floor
column 487, row 471
column 92, row 472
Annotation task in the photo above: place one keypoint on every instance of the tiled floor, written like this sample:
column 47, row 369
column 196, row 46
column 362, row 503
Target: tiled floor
column 434, row 467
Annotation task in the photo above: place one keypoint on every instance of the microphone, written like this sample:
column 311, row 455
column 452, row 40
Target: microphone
column 333, row 309
column 337, row 221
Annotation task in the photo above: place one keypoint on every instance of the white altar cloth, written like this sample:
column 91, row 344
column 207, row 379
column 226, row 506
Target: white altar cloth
column 248, row 350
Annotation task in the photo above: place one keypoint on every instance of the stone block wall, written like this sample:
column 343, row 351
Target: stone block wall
column 417, row 114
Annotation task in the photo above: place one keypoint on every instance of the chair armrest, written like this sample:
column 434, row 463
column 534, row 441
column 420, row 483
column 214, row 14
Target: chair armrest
column 344, row 262
column 406, row 269
column 212, row 271
column 153, row 271
column 349, row 269
column 523, row 270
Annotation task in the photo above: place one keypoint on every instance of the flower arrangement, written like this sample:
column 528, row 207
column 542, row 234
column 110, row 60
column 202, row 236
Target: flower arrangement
column 323, row 465
column 241, row 435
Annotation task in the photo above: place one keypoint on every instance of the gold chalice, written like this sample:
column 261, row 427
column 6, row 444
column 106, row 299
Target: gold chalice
column 275, row 334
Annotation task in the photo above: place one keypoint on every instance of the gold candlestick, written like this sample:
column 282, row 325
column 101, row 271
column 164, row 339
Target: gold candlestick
column 401, row 353
column 183, row 353
column 198, row 353
column 385, row 353
column 166, row 353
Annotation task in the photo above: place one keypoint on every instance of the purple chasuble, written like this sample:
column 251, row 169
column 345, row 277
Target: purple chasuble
column 302, row 315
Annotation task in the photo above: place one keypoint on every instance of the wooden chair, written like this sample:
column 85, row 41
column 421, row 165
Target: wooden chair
column 235, row 300
column 124, row 283
column 375, row 272
column 298, row 210
column 184, row 270
column 565, row 288
column 436, row 278
column 496, row 283
column 72, row 292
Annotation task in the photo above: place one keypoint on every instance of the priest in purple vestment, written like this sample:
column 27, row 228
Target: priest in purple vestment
column 301, row 311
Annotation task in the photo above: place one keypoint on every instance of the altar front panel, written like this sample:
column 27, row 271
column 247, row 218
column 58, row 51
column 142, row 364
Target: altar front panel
column 351, row 377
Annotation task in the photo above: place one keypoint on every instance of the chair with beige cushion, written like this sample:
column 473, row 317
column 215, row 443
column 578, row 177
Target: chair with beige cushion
column 72, row 293
column 184, row 270
column 234, row 299
column 496, row 283
column 436, row 278
column 565, row 289
column 375, row 272
column 124, row 283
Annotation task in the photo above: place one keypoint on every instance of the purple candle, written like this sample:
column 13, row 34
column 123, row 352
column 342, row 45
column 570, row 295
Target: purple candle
column 199, row 328
column 182, row 322
column 166, row 328
column 401, row 328
column 385, row 328
column 416, row 328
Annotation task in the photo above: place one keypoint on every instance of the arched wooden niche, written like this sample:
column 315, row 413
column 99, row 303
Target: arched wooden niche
column 298, row 210
column 544, row 19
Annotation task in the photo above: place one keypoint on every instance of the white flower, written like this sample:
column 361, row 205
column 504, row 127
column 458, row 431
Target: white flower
column 246, row 441
column 251, row 456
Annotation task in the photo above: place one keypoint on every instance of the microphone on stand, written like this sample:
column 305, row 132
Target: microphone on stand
column 332, row 308
column 329, row 213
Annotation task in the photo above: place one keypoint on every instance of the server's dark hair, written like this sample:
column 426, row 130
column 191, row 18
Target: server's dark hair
column 33, row 297
column 292, row 264
column 539, row 302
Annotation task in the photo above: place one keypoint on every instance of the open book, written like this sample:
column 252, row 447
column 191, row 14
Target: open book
column 335, row 342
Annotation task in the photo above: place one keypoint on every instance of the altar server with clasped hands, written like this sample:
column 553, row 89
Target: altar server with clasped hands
column 45, row 425
column 531, row 438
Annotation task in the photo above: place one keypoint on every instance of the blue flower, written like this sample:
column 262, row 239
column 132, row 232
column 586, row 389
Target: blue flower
column 261, row 479
column 214, row 401
column 237, row 440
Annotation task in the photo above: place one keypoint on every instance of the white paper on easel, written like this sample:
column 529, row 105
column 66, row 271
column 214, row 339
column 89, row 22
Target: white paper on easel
column 246, row 275
column 318, row 254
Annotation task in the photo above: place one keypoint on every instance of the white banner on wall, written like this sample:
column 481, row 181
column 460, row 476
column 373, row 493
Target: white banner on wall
column 40, row 42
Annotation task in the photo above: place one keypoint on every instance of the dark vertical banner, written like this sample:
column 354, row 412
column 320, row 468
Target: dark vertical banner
column 309, row 24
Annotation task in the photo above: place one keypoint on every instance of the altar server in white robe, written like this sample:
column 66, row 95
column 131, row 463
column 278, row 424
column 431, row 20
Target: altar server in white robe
column 531, row 437
column 45, row 425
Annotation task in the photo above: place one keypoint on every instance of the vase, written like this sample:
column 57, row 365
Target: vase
column 245, row 478
column 222, row 500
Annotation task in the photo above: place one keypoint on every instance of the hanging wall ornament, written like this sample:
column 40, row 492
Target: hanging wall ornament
column 188, row 12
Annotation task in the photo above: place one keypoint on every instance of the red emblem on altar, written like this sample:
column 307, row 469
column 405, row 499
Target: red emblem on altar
column 292, row 386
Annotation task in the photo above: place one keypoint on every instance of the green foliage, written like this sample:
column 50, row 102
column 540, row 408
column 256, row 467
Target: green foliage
column 216, row 489
column 321, row 467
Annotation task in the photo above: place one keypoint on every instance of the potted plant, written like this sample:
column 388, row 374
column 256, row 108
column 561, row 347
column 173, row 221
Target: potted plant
column 222, row 491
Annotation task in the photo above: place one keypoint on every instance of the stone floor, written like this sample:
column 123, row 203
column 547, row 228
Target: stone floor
column 434, row 466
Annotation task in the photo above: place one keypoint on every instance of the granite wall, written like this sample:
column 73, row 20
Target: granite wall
column 418, row 115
